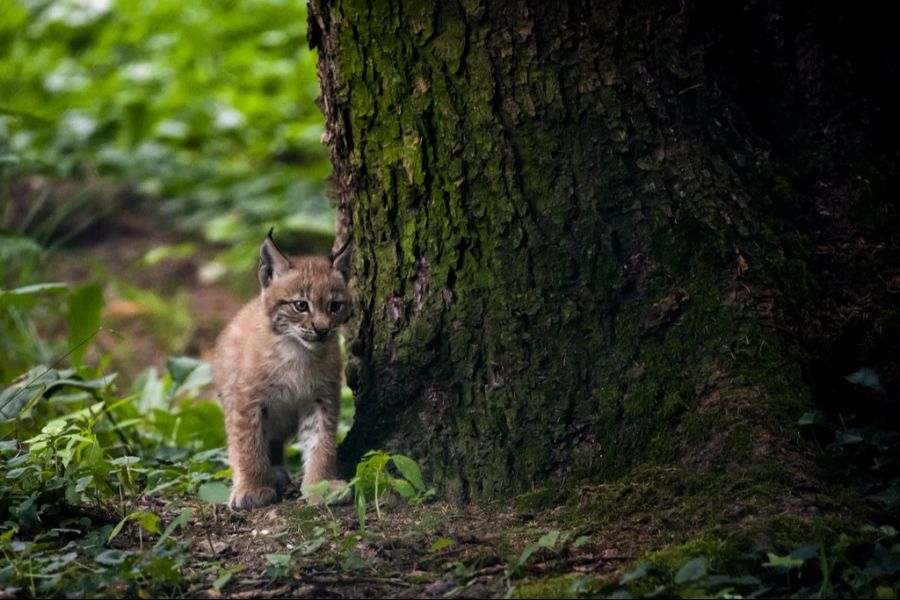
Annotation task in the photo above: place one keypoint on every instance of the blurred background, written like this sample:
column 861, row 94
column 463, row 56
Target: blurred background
column 146, row 146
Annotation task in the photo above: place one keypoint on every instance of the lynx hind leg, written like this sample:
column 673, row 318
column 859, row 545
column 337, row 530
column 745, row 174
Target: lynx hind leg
column 251, row 471
column 317, row 439
column 278, row 473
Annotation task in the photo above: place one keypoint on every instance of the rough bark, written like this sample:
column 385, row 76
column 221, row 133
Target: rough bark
column 579, row 231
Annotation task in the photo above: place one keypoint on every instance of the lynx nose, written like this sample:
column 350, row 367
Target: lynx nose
column 321, row 332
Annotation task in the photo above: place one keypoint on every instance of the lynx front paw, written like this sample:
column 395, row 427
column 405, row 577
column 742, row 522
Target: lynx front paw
column 247, row 498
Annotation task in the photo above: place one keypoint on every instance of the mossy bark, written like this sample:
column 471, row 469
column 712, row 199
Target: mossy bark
column 572, row 254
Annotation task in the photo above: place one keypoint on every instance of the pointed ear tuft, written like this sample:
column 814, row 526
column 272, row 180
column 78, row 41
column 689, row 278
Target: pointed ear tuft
column 340, row 260
column 272, row 262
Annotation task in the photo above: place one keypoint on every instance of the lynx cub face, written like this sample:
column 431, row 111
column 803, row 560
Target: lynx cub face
column 305, row 300
column 277, row 369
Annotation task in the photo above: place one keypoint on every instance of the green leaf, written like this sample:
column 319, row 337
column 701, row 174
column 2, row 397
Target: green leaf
column 361, row 509
column 279, row 559
column 783, row 561
column 85, row 304
column 25, row 296
column 214, row 492
column 188, row 374
column 805, row 553
column 225, row 576
column 548, row 540
column 527, row 551
column 353, row 562
column 410, row 470
column 640, row 571
column 15, row 400
column 441, row 543
column 180, row 521
column 312, row 545
column 148, row 521
column 693, row 570
column 402, row 487
column 117, row 529
column 61, row 561
column 113, row 556
column 814, row 417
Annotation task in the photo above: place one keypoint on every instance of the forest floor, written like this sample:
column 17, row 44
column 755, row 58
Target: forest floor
column 172, row 304
column 435, row 551
column 166, row 295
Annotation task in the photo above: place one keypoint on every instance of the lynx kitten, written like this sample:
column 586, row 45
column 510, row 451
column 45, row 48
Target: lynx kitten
column 277, row 370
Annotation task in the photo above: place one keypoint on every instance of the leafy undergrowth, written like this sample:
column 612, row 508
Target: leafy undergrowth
column 110, row 493
column 206, row 109
column 122, row 493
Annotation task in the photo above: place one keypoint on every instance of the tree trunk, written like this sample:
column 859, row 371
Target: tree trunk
column 584, row 233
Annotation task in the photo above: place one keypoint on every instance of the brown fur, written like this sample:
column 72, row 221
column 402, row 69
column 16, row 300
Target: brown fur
column 277, row 370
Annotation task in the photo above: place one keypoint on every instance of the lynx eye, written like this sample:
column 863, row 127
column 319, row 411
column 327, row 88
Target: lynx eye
column 301, row 306
column 336, row 307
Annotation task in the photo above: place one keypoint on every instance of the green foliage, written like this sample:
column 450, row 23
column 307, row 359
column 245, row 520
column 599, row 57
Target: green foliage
column 373, row 480
column 840, row 566
column 72, row 446
column 867, row 452
column 21, row 310
column 550, row 541
column 207, row 106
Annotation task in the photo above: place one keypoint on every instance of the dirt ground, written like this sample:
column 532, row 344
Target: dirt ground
column 431, row 551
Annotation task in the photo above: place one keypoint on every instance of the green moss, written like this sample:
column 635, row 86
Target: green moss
column 722, row 553
column 540, row 500
column 559, row 586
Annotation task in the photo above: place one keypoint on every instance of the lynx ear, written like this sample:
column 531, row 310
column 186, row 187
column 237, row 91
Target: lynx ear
column 340, row 260
column 272, row 263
